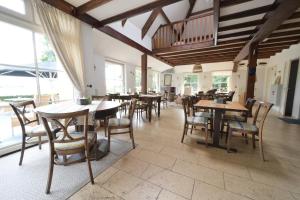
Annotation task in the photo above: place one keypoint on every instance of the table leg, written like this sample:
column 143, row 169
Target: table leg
column 158, row 107
column 217, row 123
column 150, row 110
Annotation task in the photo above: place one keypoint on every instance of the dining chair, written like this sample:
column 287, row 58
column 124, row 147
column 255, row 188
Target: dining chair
column 234, row 116
column 164, row 99
column 122, row 125
column 251, row 128
column 230, row 96
column 193, row 121
column 68, row 142
column 30, row 126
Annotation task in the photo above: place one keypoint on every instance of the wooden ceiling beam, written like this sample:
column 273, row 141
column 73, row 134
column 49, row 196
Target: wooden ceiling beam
column 281, row 39
column 190, row 10
column 150, row 21
column 216, row 20
column 241, row 25
column 283, row 11
column 163, row 14
column 226, row 3
column 90, row 5
column 285, row 33
column 124, row 22
column 236, row 34
column 136, row 11
column 247, row 13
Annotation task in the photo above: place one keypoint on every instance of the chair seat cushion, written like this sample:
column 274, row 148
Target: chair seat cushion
column 242, row 126
column 34, row 131
column 126, row 103
column 203, row 114
column 115, row 122
column 197, row 120
column 233, row 117
column 76, row 144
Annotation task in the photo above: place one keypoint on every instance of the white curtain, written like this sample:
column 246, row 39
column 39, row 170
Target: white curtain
column 63, row 30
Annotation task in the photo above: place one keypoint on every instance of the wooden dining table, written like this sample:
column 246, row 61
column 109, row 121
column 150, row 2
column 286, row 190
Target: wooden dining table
column 219, row 109
column 150, row 98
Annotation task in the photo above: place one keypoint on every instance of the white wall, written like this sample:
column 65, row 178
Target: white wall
column 280, row 65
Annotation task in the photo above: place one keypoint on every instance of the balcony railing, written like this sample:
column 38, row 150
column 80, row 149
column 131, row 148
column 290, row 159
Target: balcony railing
column 190, row 31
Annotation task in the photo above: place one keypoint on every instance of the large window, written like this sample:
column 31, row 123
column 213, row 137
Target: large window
column 114, row 75
column 221, row 82
column 155, row 81
column 29, row 69
column 14, row 5
column 138, row 80
column 191, row 80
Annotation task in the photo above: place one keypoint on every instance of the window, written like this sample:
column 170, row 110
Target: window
column 155, row 81
column 114, row 75
column 221, row 83
column 138, row 80
column 14, row 5
column 29, row 69
column 191, row 80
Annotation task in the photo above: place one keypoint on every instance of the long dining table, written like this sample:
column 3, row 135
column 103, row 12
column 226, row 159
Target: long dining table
column 219, row 109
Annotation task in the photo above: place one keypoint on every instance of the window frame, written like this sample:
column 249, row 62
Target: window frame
column 123, row 72
column 191, row 74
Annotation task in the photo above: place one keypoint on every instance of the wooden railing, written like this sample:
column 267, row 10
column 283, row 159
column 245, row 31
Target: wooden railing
column 190, row 31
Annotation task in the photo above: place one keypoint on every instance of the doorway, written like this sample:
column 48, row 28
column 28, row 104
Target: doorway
column 291, row 88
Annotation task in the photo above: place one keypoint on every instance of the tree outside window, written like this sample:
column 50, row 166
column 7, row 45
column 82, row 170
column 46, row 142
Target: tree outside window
column 191, row 80
column 221, row 83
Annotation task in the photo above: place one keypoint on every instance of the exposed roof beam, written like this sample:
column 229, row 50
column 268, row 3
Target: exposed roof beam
column 90, row 5
column 285, row 9
column 124, row 22
column 225, row 3
column 136, row 11
column 216, row 20
column 247, row 13
column 190, row 10
column 285, row 33
column 241, row 25
column 162, row 12
column 150, row 21
column 236, row 34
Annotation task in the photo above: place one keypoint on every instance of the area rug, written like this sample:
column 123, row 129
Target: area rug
column 29, row 180
column 290, row 120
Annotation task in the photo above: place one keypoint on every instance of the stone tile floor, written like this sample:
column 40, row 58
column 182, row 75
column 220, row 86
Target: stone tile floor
column 162, row 168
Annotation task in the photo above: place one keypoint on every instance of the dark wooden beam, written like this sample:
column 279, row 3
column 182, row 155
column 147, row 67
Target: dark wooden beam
column 289, row 25
column 235, row 66
column 202, row 12
column 281, row 39
column 285, row 33
column 226, row 3
column 283, row 11
column 90, row 5
column 163, row 14
column 144, row 73
column 136, row 11
column 252, row 63
column 241, row 25
column 150, row 21
column 247, row 13
column 124, row 22
column 236, row 34
column 190, row 10
column 216, row 20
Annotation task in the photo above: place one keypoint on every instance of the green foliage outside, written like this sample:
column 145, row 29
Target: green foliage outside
column 48, row 54
column 220, row 83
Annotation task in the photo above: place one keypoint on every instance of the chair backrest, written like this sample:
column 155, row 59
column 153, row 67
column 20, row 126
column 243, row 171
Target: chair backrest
column 21, row 109
column 265, row 108
column 212, row 91
column 186, row 108
column 256, row 113
column 131, row 109
column 230, row 95
column 63, row 121
column 249, row 105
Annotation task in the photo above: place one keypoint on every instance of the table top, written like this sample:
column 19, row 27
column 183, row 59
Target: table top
column 230, row 106
column 70, row 106
column 150, row 96
column 18, row 99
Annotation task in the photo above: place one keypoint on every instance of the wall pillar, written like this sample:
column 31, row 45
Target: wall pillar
column 252, row 63
column 144, row 73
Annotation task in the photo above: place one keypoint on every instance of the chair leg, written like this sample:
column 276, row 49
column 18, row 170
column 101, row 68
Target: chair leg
column 184, row 132
column 253, row 140
column 132, row 138
column 191, row 129
column 261, row 148
column 206, row 135
column 246, row 138
column 50, row 173
column 40, row 142
column 229, row 140
column 22, row 150
column 89, row 166
column 108, row 140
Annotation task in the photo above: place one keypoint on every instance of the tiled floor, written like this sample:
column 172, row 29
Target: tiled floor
column 162, row 168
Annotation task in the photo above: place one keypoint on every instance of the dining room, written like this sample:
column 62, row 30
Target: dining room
column 152, row 99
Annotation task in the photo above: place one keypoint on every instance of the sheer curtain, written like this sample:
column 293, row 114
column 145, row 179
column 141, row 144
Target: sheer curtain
column 63, row 30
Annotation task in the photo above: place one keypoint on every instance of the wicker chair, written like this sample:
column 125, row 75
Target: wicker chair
column 68, row 143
